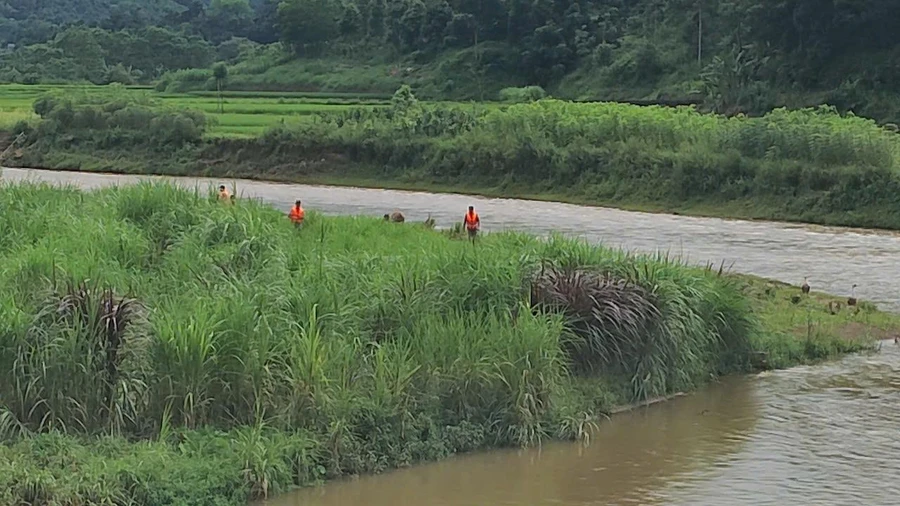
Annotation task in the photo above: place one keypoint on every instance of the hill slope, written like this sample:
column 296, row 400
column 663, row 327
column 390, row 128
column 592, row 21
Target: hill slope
column 738, row 55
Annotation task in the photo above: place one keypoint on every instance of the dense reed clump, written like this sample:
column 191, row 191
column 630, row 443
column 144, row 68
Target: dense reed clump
column 352, row 345
column 610, row 318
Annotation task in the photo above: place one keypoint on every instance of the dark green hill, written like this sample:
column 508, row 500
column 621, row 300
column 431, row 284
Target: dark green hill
column 734, row 55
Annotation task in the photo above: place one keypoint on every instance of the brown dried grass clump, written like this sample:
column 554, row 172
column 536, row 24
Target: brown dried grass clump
column 608, row 317
column 107, row 315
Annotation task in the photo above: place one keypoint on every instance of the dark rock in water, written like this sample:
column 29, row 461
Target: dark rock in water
column 397, row 217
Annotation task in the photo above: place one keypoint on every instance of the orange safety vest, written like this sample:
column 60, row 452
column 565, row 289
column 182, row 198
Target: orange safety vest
column 472, row 221
column 297, row 214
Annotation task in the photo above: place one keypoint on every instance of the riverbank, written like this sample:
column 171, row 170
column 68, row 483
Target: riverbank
column 254, row 358
column 811, row 166
column 347, row 175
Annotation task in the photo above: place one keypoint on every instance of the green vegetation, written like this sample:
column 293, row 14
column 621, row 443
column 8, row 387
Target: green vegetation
column 811, row 165
column 168, row 348
column 732, row 56
column 93, row 55
column 804, row 328
column 245, row 114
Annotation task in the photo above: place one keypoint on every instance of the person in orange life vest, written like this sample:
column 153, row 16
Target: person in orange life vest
column 224, row 195
column 297, row 214
column 472, row 223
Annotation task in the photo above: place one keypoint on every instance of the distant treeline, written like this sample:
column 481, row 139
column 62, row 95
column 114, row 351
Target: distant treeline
column 747, row 55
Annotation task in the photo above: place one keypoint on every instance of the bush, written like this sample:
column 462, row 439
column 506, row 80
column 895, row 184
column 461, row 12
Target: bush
column 120, row 74
column 188, row 79
column 520, row 95
column 119, row 122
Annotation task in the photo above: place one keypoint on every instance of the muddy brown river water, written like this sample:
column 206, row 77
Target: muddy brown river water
column 825, row 435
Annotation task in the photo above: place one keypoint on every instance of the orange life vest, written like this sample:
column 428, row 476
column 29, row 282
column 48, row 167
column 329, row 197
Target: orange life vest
column 472, row 220
column 297, row 214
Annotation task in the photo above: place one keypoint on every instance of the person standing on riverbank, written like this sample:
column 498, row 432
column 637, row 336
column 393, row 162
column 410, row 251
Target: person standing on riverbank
column 472, row 222
column 297, row 214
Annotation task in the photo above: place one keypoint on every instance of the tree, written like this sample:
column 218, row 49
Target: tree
column 403, row 99
column 80, row 45
column 264, row 21
column 307, row 25
column 228, row 18
column 220, row 73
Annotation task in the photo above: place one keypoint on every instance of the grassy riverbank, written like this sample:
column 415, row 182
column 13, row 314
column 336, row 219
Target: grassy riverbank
column 809, row 165
column 166, row 348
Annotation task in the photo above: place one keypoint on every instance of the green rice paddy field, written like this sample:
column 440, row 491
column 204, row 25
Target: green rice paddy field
column 246, row 114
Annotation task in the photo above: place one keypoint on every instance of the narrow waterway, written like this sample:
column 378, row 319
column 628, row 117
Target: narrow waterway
column 824, row 435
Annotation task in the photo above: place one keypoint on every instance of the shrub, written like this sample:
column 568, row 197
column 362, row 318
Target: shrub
column 520, row 95
column 118, row 122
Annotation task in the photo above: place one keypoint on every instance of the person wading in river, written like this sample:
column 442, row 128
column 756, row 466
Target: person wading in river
column 472, row 223
column 297, row 214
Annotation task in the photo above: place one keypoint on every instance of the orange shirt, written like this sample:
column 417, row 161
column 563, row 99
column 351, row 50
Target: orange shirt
column 297, row 214
column 472, row 221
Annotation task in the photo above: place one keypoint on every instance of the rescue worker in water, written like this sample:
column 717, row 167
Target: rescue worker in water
column 297, row 214
column 472, row 223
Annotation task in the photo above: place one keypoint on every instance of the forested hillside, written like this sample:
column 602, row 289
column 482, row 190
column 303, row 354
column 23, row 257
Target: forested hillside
column 734, row 55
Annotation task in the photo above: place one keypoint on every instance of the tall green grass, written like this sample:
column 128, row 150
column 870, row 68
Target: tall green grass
column 243, row 310
column 810, row 165
column 566, row 141
column 147, row 309
column 241, row 356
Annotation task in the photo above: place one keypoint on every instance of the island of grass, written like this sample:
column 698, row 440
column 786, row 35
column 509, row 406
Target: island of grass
column 160, row 347
column 811, row 165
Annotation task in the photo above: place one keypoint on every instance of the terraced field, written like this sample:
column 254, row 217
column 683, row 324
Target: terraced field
column 245, row 114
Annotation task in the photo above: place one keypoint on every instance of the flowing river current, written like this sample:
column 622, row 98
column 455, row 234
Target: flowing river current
column 824, row 435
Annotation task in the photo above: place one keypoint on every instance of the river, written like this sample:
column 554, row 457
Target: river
column 825, row 435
